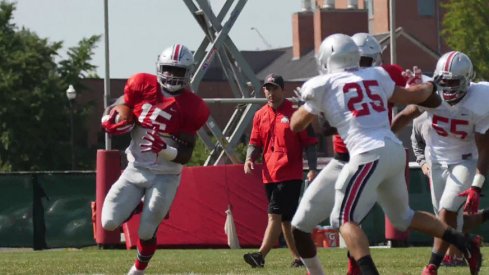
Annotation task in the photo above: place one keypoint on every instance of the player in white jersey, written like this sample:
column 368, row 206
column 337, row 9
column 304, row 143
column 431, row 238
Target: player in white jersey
column 457, row 143
column 322, row 188
column 354, row 101
column 466, row 222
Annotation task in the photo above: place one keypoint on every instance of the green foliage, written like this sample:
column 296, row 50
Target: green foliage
column 201, row 153
column 466, row 29
column 34, row 114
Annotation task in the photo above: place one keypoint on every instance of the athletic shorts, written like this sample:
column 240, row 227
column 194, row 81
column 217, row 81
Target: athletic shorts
column 283, row 198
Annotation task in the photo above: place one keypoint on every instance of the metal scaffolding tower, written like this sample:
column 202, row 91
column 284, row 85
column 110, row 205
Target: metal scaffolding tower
column 238, row 72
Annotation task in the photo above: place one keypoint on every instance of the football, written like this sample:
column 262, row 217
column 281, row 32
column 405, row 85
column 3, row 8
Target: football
column 123, row 113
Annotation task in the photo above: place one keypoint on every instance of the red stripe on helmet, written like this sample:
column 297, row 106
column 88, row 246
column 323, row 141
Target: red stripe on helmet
column 448, row 64
column 176, row 52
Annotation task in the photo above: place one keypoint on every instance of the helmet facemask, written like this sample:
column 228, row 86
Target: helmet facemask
column 173, row 78
column 452, row 88
column 174, row 68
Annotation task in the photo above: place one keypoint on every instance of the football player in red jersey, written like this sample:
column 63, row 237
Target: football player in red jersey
column 167, row 116
column 323, row 187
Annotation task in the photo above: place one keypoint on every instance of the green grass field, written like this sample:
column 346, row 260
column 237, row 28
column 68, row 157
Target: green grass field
column 205, row 261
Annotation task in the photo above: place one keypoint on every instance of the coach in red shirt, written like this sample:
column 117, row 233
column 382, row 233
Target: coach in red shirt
column 281, row 149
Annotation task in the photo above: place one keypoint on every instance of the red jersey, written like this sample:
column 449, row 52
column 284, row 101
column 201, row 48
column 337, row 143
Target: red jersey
column 395, row 72
column 184, row 112
column 282, row 148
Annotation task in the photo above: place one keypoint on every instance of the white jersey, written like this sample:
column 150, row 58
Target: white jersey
column 355, row 103
column 451, row 135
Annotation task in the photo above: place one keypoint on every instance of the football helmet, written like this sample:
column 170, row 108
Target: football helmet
column 452, row 76
column 174, row 67
column 369, row 48
column 338, row 52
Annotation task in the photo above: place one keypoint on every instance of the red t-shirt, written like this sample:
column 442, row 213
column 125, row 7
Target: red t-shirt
column 395, row 72
column 282, row 148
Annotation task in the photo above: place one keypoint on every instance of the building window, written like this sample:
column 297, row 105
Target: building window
column 426, row 7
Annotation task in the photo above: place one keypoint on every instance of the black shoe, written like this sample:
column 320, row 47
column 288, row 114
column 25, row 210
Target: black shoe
column 254, row 259
column 297, row 263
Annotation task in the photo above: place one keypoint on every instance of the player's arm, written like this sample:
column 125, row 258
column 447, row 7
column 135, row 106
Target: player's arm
column 117, row 119
column 181, row 152
column 418, row 144
column 423, row 94
column 185, row 147
column 404, row 117
column 325, row 128
column 474, row 192
column 253, row 152
column 118, row 101
column 301, row 119
column 482, row 142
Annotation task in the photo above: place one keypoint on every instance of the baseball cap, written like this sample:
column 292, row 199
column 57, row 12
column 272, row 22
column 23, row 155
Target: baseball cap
column 274, row 79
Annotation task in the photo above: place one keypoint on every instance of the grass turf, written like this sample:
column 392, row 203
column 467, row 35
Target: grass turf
column 206, row 261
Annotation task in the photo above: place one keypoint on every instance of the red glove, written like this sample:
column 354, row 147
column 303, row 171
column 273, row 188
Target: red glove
column 116, row 128
column 413, row 77
column 473, row 199
column 155, row 143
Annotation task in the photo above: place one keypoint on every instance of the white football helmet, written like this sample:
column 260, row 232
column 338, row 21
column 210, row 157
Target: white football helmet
column 369, row 47
column 338, row 52
column 452, row 76
column 174, row 67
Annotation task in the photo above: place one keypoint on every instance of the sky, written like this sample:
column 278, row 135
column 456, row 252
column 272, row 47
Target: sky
column 140, row 29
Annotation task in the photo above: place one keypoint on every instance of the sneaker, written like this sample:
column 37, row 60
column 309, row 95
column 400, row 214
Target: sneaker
column 447, row 261
column 473, row 254
column 254, row 259
column 430, row 269
column 297, row 263
column 135, row 271
column 353, row 268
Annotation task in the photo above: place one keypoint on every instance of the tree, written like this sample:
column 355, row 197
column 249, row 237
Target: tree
column 34, row 114
column 466, row 29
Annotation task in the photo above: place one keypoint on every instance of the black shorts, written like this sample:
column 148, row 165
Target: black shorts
column 283, row 198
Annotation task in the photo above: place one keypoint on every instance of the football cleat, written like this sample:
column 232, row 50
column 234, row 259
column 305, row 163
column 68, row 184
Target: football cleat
column 430, row 269
column 473, row 254
column 353, row 268
column 135, row 271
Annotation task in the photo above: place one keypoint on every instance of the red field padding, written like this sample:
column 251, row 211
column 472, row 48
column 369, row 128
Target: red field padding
column 197, row 215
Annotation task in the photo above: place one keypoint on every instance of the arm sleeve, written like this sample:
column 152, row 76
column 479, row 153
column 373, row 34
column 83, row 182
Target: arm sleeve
column 418, row 143
column 311, row 156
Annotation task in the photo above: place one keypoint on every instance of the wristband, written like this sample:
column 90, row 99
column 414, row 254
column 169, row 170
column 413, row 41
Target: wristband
column 478, row 180
column 169, row 153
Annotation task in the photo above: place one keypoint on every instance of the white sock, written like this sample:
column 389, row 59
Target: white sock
column 313, row 265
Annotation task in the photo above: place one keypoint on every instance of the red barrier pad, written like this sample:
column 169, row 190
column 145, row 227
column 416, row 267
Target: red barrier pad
column 197, row 215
